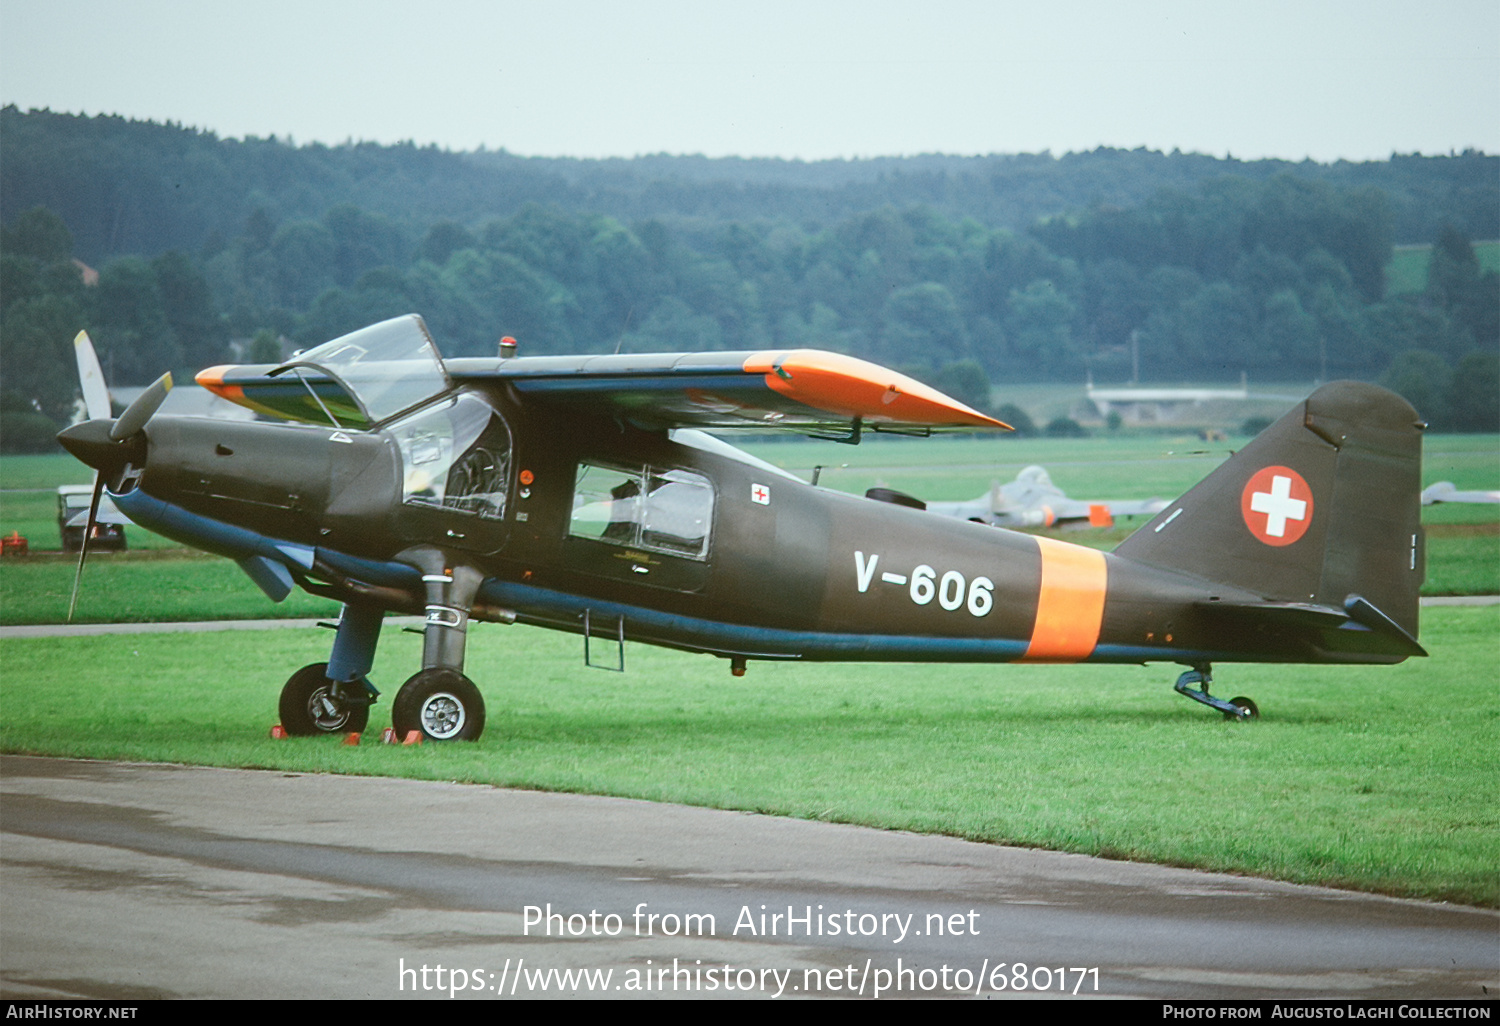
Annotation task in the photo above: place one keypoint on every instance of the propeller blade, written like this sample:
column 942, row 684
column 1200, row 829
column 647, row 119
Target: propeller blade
column 88, row 534
column 139, row 412
column 91, row 378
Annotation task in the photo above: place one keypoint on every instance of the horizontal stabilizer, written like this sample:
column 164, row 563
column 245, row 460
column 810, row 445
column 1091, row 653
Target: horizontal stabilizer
column 1359, row 626
column 1363, row 611
column 1294, row 614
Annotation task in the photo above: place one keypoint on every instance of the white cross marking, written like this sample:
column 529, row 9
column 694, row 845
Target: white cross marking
column 1278, row 506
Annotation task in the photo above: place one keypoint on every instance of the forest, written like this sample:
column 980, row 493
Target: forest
column 177, row 249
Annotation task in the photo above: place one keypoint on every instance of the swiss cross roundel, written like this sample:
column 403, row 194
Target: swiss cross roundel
column 1277, row 505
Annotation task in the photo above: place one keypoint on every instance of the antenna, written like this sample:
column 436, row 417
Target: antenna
column 623, row 329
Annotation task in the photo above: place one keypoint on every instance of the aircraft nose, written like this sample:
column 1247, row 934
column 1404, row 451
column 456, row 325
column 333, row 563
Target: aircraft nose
column 90, row 443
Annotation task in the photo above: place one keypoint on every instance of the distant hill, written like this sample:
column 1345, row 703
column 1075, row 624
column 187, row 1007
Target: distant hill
column 966, row 271
column 140, row 187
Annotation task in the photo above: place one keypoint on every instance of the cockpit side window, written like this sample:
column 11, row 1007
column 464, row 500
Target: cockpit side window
column 455, row 454
column 668, row 511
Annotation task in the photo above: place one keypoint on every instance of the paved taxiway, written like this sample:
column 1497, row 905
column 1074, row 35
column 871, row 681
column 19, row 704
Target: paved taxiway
column 138, row 881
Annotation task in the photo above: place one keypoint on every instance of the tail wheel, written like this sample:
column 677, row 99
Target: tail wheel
column 311, row 705
column 1247, row 708
column 440, row 702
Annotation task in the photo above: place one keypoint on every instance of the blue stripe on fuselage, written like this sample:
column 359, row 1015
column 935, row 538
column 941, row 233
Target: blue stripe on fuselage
column 564, row 611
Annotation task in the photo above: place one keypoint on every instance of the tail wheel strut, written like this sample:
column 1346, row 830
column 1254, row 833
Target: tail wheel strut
column 1237, row 709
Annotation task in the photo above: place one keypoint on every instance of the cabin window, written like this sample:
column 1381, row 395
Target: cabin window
column 668, row 511
column 455, row 455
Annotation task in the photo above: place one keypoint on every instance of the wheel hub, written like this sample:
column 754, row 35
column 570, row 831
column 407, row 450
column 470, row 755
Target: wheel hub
column 442, row 716
column 326, row 713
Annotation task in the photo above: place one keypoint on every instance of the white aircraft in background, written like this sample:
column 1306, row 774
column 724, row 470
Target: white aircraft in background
column 1444, row 491
column 1032, row 500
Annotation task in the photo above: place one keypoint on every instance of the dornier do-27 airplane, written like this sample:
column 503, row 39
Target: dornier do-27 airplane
column 581, row 494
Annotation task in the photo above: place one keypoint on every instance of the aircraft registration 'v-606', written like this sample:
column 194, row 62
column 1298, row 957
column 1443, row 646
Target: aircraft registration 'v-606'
column 582, row 494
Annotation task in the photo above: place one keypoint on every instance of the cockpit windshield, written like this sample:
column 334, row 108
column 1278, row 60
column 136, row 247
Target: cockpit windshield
column 386, row 368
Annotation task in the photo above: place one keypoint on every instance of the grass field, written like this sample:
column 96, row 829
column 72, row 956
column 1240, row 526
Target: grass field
column 1382, row 779
column 1407, row 271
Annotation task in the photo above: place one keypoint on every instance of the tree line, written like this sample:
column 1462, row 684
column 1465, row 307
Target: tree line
column 1278, row 276
column 133, row 187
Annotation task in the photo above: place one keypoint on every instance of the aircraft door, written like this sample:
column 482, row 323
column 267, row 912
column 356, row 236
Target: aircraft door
column 455, row 475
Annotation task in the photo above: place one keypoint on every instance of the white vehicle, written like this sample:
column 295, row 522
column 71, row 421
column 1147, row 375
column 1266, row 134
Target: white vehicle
column 73, row 518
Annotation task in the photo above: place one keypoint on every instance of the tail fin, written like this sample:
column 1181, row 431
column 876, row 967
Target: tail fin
column 1322, row 508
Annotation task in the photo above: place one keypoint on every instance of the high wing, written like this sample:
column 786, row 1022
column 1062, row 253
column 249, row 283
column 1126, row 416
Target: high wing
column 798, row 389
column 801, row 389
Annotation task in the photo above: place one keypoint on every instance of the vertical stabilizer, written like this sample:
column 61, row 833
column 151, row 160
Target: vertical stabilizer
column 1323, row 507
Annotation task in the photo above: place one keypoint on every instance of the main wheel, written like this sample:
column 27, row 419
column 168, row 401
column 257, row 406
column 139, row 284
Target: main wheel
column 442, row 703
column 1251, row 712
column 310, row 705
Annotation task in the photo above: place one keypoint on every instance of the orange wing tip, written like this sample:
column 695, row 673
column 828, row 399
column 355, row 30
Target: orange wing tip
column 212, row 378
column 851, row 387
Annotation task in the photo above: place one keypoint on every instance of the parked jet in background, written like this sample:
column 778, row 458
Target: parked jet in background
column 1444, row 491
column 1032, row 500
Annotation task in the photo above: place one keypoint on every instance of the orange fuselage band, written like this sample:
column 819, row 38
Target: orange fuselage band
column 1070, row 606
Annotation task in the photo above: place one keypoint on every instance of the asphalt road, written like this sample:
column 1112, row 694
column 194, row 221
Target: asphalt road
column 140, row 881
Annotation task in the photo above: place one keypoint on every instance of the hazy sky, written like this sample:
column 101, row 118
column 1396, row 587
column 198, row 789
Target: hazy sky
column 1327, row 79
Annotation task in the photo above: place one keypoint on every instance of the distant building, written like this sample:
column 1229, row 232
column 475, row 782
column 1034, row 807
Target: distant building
column 1158, row 405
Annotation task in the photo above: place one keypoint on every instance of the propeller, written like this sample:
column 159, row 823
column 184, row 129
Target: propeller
column 137, row 413
column 88, row 536
column 95, row 392
column 104, row 444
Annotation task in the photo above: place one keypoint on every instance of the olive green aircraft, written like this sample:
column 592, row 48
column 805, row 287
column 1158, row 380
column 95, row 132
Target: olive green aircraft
column 584, row 494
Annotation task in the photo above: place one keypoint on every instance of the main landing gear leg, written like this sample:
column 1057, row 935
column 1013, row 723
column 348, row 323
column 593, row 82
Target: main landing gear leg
column 1235, row 709
column 439, row 700
column 335, row 697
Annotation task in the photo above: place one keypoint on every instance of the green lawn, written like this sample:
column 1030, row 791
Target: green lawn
column 1376, row 778
column 1407, row 271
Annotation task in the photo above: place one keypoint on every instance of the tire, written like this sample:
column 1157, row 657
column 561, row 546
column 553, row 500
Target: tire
column 305, row 706
column 1252, row 713
column 442, row 703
